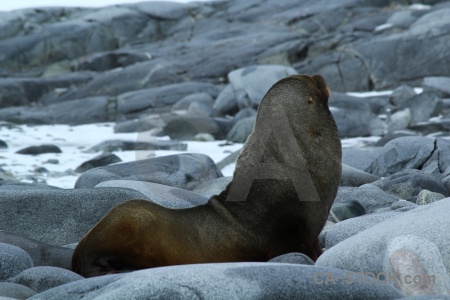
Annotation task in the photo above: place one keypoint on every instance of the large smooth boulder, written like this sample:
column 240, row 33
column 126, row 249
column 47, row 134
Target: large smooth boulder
column 181, row 170
column 415, row 243
column 225, row 281
column 58, row 217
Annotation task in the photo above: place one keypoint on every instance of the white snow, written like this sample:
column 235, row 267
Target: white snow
column 73, row 140
column 383, row 27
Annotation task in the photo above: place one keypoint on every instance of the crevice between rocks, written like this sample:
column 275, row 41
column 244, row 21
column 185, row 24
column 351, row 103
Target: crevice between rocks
column 430, row 156
column 356, row 54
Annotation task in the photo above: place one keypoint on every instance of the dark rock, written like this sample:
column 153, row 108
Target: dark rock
column 347, row 209
column 355, row 177
column 3, row 145
column 52, row 161
column 73, row 212
column 184, row 171
column 241, row 130
column 369, row 196
column 44, row 278
column 408, row 184
column 75, row 112
column 41, row 170
column 101, row 160
column 42, row 254
column 184, row 128
column 292, row 258
column 25, row 91
column 120, row 145
column 382, row 62
column 103, row 61
column 35, row 150
column 13, row 260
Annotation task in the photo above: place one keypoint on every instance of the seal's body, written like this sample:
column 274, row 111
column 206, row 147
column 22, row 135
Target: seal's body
column 284, row 184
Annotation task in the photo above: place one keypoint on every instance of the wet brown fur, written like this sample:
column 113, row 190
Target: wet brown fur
column 139, row 234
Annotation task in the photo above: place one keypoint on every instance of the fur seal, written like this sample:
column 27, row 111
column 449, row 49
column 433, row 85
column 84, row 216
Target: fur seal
column 286, row 178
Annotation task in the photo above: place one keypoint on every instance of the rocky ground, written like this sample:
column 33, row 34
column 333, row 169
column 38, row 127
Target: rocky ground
column 197, row 71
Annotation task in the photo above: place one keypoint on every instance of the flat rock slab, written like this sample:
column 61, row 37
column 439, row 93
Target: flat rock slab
column 180, row 170
column 223, row 281
column 58, row 217
column 163, row 195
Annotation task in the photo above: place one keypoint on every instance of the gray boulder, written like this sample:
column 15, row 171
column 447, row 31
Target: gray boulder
column 416, row 243
column 12, row 291
column 44, row 278
column 13, row 260
column 348, row 228
column 241, row 130
column 361, row 158
column 403, row 153
column 73, row 212
column 143, row 143
column 439, row 84
column 163, row 195
column 184, row 171
column 353, row 115
column 409, row 183
column 354, row 177
column 100, row 160
column 42, row 254
column 423, row 106
column 369, row 196
column 185, row 102
column 402, row 95
column 213, row 187
column 186, row 127
column 250, row 84
column 224, row 281
column 426, row 196
column 293, row 258
column 347, row 210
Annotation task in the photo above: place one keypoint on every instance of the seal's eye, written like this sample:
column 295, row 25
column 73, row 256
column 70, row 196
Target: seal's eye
column 310, row 99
